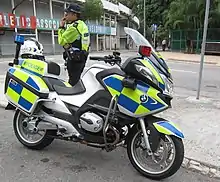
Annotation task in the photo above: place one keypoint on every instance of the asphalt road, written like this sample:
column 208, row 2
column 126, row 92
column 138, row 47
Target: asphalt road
column 185, row 75
column 68, row 162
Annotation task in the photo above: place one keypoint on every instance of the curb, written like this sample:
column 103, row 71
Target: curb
column 191, row 61
column 3, row 104
column 201, row 167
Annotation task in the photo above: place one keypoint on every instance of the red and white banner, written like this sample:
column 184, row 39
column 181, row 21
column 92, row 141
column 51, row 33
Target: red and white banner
column 12, row 21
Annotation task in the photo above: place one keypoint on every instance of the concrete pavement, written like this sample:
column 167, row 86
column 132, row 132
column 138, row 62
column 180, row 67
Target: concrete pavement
column 70, row 162
column 198, row 119
column 195, row 58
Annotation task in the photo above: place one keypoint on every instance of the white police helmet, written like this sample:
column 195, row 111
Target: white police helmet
column 31, row 47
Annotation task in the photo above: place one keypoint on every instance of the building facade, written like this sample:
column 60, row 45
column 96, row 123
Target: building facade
column 40, row 19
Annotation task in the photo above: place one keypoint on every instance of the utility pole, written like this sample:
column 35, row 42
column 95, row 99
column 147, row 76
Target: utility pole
column 203, row 46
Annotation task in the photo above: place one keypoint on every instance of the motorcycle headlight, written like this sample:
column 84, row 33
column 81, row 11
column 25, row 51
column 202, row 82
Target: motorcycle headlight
column 146, row 73
column 168, row 85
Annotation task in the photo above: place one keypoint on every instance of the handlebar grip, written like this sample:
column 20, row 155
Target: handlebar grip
column 96, row 58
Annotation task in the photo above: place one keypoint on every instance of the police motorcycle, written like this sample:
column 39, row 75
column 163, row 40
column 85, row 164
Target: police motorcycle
column 109, row 107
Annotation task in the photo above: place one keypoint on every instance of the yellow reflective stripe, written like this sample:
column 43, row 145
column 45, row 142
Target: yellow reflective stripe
column 35, row 65
column 159, row 55
column 67, row 84
column 174, row 125
column 119, row 77
column 21, row 75
column 162, row 129
column 154, row 71
column 141, row 110
column 13, row 95
column 132, row 94
column 152, row 92
column 169, row 70
column 40, row 82
column 29, row 96
column 17, row 66
column 113, row 91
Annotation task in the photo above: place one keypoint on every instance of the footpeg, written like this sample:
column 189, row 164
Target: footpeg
column 77, row 138
column 62, row 130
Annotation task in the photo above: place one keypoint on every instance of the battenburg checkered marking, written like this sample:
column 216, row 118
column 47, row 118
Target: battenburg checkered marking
column 131, row 99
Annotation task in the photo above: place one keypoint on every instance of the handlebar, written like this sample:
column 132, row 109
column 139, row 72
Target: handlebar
column 96, row 58
column 112, row 60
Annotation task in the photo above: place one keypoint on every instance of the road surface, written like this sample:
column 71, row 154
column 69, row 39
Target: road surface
column 67, row 162
column 185, row 75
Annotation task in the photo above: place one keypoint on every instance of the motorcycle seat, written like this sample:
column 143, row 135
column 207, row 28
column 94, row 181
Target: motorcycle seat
column 58, row 86
column 77, row 89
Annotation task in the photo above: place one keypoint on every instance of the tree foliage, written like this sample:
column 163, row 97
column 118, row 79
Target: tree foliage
column 174, row 14
column 92, row 10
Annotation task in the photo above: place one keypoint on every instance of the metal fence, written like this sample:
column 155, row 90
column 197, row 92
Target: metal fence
column 9, row 49
column 179, row 38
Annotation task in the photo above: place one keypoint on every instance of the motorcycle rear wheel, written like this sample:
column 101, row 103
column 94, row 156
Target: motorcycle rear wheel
column 171, row 169
column 22, row 132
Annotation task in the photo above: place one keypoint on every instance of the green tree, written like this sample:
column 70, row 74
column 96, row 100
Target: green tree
column 92, row 10
column 154, row 13
column 189, row 14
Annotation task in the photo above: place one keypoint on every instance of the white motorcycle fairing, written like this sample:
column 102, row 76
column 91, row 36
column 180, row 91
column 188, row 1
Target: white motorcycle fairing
column 91, row 85
column 87, row 87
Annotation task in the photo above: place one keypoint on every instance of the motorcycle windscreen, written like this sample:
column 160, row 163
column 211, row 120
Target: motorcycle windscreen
column 156, row 58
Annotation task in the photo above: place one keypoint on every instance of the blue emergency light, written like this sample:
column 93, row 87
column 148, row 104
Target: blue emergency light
column 19, row 39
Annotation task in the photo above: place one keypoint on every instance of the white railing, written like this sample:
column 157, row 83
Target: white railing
column 135, row 19
column 110, row 6
column 125, row 9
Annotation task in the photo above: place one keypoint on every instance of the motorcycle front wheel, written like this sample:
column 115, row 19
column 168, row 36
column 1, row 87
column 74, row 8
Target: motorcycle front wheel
column 163, row 163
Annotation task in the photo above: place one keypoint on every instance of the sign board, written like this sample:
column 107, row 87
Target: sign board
column 11, row 21
column 154, row 27
column 23, row 22
column 47, row 24
column 98, row 29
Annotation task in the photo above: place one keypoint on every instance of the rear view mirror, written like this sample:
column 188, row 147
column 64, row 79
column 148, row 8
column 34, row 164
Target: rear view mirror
column 115, row 53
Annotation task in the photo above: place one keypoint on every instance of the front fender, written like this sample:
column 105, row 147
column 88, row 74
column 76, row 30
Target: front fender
column 168, row 128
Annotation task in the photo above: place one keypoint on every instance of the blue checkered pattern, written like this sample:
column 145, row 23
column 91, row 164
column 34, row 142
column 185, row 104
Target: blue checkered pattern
column 17, row 88
column 132, row 100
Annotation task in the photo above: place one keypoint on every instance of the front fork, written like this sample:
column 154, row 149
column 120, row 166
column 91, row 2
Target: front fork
column 158, row 127
column 146, row 138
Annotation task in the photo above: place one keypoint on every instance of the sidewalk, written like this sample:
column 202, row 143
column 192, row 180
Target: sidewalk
column 169, row 56
column 195, row 58
column 199, row 121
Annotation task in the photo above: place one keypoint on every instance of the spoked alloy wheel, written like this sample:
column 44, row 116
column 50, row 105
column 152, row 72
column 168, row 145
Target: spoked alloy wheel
column 28, row 134
column 162, row 163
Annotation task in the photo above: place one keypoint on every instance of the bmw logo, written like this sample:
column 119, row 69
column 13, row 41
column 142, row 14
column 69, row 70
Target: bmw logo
column 143, row 98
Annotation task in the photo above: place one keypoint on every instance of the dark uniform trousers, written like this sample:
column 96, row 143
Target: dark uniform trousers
column 75, row 69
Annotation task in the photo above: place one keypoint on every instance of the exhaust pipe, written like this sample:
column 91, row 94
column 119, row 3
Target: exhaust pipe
column 70, row 129
column 44, row 125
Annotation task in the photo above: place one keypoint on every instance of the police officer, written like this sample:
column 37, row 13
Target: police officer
column 73, row 35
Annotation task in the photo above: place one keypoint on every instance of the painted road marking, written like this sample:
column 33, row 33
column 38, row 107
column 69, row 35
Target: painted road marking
column 185, row 71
